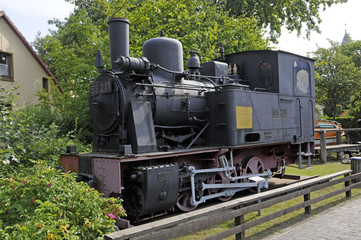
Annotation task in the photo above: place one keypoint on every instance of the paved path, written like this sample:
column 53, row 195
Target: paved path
column 340, row 222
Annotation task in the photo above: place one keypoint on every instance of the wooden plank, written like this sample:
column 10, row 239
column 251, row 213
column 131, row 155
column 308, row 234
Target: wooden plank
column 339, row 148
column 183, row 228
column 339, row 130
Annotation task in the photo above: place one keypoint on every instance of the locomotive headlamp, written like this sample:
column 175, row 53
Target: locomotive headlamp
column 138, row 65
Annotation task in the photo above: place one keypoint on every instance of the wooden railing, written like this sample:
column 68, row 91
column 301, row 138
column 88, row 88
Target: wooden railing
column 339, row 147
column 236, row 209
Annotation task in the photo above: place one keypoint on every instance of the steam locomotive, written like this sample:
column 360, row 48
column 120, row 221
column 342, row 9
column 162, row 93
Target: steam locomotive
column 166, row 137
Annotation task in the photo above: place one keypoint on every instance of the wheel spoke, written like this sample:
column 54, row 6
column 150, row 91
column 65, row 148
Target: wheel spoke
column 183, row 202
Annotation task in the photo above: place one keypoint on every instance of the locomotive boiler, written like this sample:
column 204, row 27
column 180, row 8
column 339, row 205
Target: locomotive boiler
column 166, row 137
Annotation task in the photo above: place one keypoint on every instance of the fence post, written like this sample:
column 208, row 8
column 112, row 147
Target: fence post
column 338, row 138
column 323, row 147
column 347, row 183
column 239, row 221
column 339, row 141
column 306, row 198
column 356, row 167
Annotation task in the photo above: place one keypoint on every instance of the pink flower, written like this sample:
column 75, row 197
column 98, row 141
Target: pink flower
column 111, row 202
column 48, row 185
column 111, row 215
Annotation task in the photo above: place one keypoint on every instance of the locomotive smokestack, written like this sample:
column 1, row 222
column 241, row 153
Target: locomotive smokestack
column 118, row 39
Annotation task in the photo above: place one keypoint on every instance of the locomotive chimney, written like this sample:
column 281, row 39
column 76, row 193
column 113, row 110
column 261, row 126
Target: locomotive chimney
column 118, row 39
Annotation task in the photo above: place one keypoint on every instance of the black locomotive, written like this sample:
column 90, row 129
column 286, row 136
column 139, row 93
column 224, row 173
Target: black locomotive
column 166, row 137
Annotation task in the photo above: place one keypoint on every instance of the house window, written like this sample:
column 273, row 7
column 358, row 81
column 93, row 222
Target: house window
column 46, row 84
column 6, row 70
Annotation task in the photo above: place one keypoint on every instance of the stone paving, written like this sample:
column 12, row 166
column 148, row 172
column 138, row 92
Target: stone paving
column 340, row 222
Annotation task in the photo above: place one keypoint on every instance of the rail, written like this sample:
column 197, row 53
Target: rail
column 339, row 147
column 236, row 209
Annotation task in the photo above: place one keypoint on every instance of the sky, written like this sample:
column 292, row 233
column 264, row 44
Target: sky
column 335, row 20
column 31, row 17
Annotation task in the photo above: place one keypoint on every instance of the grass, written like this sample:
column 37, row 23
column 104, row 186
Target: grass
column 277, row 225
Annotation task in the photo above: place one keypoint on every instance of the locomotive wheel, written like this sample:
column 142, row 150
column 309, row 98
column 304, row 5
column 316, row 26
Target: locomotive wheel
column 183, row 202
column 252, row 165
column 218, row 179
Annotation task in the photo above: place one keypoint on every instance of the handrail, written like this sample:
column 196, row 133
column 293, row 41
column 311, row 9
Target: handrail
column 338, row 130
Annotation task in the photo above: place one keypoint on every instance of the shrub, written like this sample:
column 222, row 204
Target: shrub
column 41, row 203
column 25, row 138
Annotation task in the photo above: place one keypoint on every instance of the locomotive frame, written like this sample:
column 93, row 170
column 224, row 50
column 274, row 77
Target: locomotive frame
column 166, row 137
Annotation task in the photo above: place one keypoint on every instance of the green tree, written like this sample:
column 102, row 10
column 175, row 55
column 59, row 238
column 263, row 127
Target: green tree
column 69, row 53
column 353, row 50
column 273, row 14
column 337, row 76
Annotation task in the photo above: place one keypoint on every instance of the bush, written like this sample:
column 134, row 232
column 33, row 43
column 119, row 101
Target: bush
column 36, row 201
column 26, row 137
column 41, row 203
column 69, row 111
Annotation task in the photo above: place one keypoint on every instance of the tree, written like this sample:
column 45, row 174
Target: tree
column 69, row 53
column 337, row 76
column 199, row 25
column 353, row 50
column 273, row 14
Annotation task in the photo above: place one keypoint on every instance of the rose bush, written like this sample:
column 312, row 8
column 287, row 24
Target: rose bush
column 42, row 203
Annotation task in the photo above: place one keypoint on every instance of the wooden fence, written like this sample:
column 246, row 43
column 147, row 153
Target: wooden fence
column 236, row 209
column 323, row 149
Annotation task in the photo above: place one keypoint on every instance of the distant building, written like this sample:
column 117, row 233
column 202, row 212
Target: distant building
column 319, row 110
column 19, row 63
column 346, row 38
